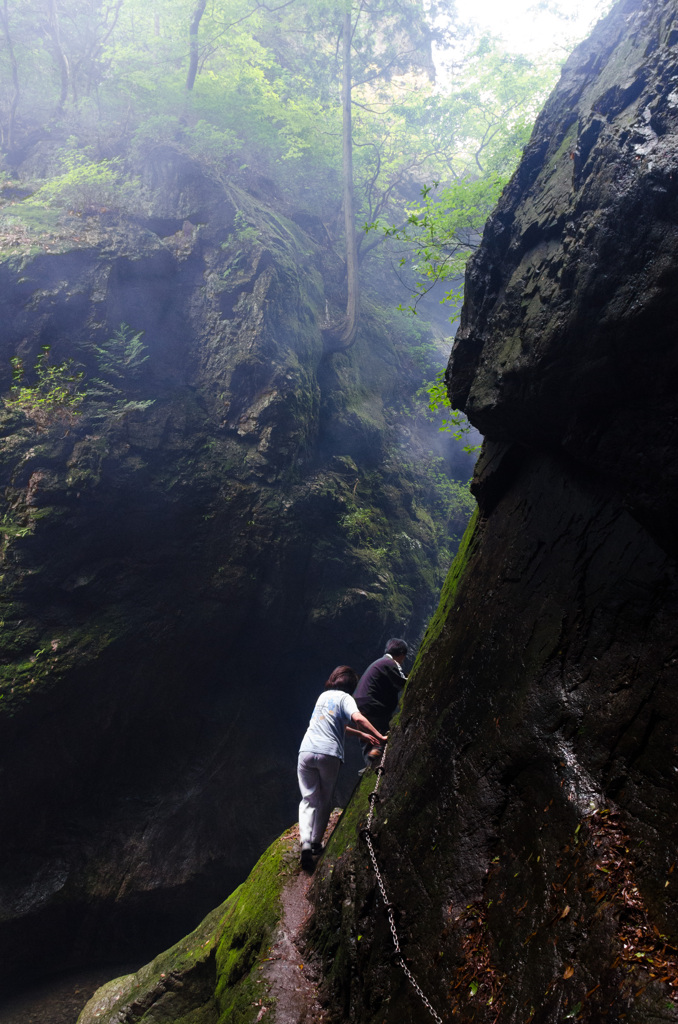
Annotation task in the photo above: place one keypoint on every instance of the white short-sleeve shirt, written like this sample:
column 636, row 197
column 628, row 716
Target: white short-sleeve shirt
column 332, row 713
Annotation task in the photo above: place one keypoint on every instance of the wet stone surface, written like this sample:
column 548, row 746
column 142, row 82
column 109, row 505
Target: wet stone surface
column 60, row 1000
column 293, row 979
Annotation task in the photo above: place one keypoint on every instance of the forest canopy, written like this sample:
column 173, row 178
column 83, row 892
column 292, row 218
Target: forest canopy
column 317, row 103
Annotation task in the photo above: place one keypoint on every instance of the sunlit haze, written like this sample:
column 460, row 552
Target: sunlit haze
column 529, row 26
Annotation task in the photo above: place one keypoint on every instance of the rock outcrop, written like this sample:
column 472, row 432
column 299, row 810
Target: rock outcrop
column 527, row 827
column 526, row 824
column 218, row 971
column 245, row 962
column 186, row 558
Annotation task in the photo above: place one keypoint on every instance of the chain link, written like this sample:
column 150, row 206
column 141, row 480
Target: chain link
column 367, row 835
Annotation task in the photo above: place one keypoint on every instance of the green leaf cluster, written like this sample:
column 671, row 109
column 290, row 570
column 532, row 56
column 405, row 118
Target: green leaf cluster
column 363, row 524
column 87, row 186
column 453, row 421
column 120, row 359
column 55, row 395
column 60, row 392
column 487, row 115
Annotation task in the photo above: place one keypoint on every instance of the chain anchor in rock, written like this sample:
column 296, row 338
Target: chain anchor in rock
column 397, row 955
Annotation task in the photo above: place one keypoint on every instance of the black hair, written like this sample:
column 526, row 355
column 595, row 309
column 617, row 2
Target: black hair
column 342, row 678
column 395, row 648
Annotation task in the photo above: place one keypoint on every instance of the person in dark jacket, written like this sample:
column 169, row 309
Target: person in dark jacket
column 378, row 690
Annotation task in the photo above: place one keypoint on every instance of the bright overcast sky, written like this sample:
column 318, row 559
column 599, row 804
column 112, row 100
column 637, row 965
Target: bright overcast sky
column 527, row 27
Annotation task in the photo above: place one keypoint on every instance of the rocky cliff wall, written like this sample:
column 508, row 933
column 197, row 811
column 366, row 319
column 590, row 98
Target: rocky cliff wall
column 526, row 821
column 186, row 559
column 527, row 826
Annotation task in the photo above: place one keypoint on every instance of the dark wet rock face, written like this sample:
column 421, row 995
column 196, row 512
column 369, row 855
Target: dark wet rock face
column 527, row 832
column 185, row 560
column 568, row 339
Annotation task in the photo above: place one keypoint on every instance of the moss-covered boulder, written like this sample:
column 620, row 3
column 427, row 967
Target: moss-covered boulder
column 215, row 973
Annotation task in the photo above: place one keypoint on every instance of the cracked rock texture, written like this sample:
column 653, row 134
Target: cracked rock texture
column 185, row 561
column 527, row 829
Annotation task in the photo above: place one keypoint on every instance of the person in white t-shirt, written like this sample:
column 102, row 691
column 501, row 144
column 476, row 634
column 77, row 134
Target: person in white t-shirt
column 321, row 753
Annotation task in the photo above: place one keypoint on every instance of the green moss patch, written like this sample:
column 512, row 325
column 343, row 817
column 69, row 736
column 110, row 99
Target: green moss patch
column 345, row 835
column 450, row 588
column 247, row 927
column 212, row 976
column 333, row 934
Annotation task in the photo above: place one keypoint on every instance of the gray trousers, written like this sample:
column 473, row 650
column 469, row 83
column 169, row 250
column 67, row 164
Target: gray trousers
column 317, row 774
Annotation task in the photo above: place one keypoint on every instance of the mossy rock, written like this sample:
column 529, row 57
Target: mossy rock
column 212, row 975
column 152, row 543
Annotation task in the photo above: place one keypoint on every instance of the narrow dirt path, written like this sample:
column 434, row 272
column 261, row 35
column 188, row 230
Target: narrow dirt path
column 292, row 981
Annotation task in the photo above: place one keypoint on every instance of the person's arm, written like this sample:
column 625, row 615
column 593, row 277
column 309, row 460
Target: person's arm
column 368, row 727
column 359, row 732
column 395, row 674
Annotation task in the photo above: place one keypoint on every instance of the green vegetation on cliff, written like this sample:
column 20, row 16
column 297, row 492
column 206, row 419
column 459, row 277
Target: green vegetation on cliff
column 213, row 976
column 226, row 479
column 444, row 612
column 237, row 503
column 253, row 93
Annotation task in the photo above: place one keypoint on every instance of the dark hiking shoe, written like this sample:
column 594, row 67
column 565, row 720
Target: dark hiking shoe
column 306, row 859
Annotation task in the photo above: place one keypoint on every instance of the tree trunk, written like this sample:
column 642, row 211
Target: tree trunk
column 351, row 325
column 4, row 18
column 62, row 59
column 198, row 12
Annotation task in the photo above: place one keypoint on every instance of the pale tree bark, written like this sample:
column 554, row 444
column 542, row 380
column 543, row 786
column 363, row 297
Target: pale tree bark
column 62, row 59
column 90, row 67
column 193, row 29
column 4, row 20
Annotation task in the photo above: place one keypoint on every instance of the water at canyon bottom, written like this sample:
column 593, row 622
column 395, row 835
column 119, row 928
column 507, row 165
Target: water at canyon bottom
column 58, row 1000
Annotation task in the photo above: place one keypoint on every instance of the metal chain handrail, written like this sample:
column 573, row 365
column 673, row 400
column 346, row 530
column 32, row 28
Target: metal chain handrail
column 367, row 836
